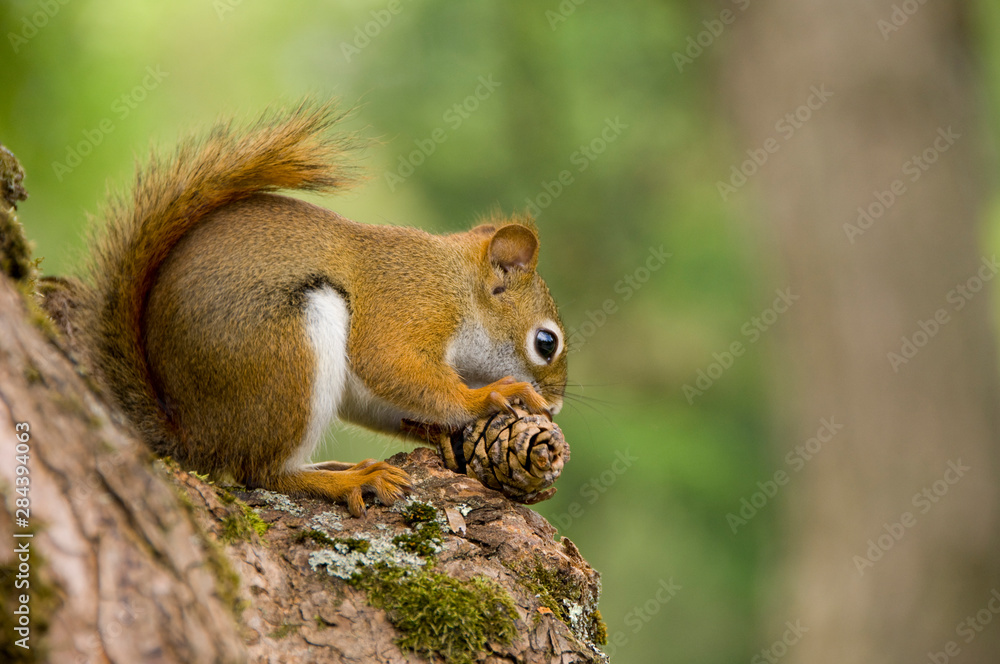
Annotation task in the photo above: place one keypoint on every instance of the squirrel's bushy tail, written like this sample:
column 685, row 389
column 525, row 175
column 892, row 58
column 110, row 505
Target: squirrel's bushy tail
column 283, row 150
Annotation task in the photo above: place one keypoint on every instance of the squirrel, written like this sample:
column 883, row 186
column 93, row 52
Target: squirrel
column 233, row 325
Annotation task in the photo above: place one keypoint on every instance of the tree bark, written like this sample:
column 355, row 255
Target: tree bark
column 881, row 339
column 100, row 561
column 298, row 607
column 118, row 571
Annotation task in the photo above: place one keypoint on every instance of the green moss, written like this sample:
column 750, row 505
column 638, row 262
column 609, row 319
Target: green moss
column 37, row 316
column 11, row 175
column 353, row 543
column 425, row 540
column 284, row 630
column 15, row 250
column 185, row 499
column 317, row 536
column 598, row 628
column 169, row 464
column 241, row 523
column 44, row 599
column 227, row 580
column 258, row 524
column 557, row 590
column 550, row 587
column 417, row 512
column 32, row 374
column 42, row 603
column 439, row 615
column 343, row 544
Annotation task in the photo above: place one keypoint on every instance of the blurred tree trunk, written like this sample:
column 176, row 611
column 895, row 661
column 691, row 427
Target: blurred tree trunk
column 869, row 583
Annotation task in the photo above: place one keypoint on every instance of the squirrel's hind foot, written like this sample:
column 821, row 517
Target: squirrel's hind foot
column 341, row 482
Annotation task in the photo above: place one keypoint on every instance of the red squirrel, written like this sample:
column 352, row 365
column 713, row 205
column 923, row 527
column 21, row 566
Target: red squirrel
column 233, row 325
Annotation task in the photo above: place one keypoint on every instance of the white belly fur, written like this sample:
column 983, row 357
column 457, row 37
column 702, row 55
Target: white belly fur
column 327, row 320
column 337, row 392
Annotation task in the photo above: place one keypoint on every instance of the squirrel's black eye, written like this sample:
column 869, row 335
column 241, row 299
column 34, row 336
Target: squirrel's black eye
column 546, row 344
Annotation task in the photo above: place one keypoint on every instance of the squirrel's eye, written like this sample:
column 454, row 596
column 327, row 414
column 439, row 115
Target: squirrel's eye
column 543, row 343
column 546, row 344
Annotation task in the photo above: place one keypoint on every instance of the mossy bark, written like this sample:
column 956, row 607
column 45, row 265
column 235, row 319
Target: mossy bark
column 320, row 585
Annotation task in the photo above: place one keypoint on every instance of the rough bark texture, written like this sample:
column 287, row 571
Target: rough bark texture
column 116, row 558
column 296, row 607
column 894, row 93
column 134, row 560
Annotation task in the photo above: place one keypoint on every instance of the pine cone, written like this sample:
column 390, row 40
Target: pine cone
column 518, row 454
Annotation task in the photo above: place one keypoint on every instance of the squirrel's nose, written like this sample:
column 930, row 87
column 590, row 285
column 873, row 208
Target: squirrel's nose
column 554, row 409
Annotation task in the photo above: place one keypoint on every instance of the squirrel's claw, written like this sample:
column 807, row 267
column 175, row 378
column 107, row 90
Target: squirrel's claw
column 387, row 482
column 501, row 402
column 499, row 395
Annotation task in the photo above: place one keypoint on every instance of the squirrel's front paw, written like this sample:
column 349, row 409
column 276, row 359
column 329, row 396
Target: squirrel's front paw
column 498, row 396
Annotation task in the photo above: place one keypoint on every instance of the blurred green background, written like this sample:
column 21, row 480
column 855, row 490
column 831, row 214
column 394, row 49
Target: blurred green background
column 521, row 93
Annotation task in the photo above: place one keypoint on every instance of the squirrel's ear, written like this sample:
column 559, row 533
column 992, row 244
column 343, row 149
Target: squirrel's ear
column 514, row 247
